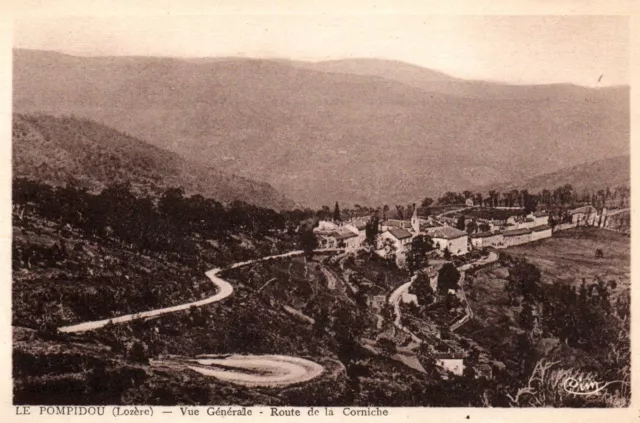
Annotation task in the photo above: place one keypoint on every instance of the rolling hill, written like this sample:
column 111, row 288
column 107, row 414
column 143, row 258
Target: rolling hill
column 438, row 82
column 364, row 131
column 612, row 172
column 58, row 150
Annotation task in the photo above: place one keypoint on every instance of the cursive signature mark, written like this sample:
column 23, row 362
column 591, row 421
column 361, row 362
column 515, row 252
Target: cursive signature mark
column 585, row 386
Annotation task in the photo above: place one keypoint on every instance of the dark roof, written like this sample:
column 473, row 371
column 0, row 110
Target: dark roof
column 446, row 232
column 400, row 233
column 541, row 228
column 397, row 223
column 485, row 234
column 492, row 214
column 515, row 232
column 345, row 235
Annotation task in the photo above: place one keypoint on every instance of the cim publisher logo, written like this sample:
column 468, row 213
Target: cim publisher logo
column 585, row 385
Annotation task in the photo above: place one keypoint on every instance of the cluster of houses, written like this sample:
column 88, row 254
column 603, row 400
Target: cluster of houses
column 508, row 230
column 349, row 235
column 514, row 231
column 495, row 233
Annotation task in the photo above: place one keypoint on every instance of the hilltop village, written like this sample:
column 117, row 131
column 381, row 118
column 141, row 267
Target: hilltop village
column 460, row 231
column 468, row 236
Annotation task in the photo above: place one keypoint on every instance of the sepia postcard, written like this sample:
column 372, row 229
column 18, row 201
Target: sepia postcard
column 369, row 213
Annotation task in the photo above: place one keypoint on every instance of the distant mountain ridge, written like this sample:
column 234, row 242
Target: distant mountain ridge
column 440, row 82
column 611, row 172
column 59, row 150
column 367, row 132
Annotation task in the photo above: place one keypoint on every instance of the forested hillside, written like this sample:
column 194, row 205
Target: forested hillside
column 62, row 150
column 588, row 177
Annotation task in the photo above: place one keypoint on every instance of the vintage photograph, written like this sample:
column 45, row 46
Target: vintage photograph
column 321, row 210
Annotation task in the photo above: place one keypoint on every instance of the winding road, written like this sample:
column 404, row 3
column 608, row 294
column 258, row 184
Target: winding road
column 247, row 370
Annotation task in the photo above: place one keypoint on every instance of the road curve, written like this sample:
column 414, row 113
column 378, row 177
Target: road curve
column 224, row 290
column 251, row 370
column 248, row 370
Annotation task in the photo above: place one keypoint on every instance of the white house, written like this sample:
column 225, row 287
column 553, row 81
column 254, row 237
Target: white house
column 325, row 240
column 358, row 228
column 453, row 363
column 325, row 226
column 448, row 237
column 399, row 237
column 541, row 218
column 486, row 239
column 586, row 215
column 347, row 240
column 338, row 236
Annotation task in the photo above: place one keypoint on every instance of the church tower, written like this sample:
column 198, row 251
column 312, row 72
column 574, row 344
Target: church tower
column 415, row 222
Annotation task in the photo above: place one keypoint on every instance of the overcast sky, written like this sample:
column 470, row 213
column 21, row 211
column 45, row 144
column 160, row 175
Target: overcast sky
column 514, row 49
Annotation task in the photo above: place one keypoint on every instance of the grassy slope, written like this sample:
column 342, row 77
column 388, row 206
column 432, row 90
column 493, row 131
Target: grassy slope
column 570, row 256
column 567, row 258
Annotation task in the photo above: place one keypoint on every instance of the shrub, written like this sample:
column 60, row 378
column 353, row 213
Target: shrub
column 138, row 353
column 599, row 254
column 387, row 346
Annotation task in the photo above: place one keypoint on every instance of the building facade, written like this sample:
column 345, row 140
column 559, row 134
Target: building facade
column 541, row 232
column 399, row 237
column 516, row 237
column 450, row 238
column 453, row 364
column 584, row 216
column 541, row 218
column 487, row 239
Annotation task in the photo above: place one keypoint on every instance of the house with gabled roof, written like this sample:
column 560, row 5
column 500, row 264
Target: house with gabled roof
column 399, row 237
column 338, row 236
column 359, row 228
column 346, row 239
column 449, row 238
